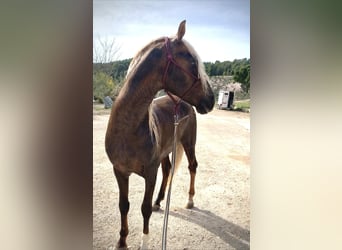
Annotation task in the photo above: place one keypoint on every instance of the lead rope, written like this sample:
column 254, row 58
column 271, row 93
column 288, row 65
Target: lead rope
column 167, row 208
column 173, row 162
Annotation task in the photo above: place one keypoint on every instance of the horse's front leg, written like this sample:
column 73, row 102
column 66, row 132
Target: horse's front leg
column 146, row 207
column 166, row 167
column 124, row 207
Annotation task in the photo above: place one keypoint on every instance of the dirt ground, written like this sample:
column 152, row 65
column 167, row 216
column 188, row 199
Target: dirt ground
column 221, row 216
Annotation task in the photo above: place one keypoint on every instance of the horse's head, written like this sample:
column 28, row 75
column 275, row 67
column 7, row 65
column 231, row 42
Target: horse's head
column 176, row 67
column 184, row 74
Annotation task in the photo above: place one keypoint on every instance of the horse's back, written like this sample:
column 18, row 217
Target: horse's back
column 163, row 109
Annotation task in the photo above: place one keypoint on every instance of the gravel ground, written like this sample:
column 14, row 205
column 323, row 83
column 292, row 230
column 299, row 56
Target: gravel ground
column 221, row 216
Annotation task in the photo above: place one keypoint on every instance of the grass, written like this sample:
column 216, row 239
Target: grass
column 243, row 105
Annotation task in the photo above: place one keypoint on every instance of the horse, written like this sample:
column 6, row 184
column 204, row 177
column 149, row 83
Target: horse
column 140, row 129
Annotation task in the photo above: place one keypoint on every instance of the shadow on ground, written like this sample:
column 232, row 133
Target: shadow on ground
column 232, row 234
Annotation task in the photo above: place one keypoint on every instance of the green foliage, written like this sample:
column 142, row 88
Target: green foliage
column 245, row 104
column 242, row 75
column 242, row 106
column 225, row 68
column 116, row 89
column 239, row 69
column 103, row 67
column 117, row 70
column 103, row 85
column 104, row 72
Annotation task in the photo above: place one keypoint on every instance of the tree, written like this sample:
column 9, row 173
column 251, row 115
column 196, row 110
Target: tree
column 119, row 69
column 242, row 75
column 225, row 68
column 103, row 85
column 105, row 50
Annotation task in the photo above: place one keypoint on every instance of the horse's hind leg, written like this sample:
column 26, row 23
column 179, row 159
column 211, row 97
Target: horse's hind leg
column 124, row 207
column 166, row 167
column 190, row 154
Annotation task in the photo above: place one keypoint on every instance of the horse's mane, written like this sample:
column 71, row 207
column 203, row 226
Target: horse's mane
column 201, row 69
column 141, row 55
column 153, row 127
column 137, row 60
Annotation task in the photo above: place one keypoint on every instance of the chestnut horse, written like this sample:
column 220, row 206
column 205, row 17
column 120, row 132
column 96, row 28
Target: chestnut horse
column 140, row 130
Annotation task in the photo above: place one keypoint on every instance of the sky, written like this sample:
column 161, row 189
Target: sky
column 218, row 29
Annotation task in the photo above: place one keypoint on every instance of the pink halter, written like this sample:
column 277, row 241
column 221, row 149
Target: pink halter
column 170, row 60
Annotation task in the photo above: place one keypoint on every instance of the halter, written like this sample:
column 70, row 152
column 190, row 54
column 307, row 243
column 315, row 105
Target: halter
column 170, row 60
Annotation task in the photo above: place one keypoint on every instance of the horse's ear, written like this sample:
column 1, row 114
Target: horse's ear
column 181, row 30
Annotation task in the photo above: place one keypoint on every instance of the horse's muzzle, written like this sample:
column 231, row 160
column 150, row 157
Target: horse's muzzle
column 206, row 105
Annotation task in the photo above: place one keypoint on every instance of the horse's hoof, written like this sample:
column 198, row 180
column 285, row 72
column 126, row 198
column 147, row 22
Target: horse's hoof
column 121, row 246
column 155, row 207
column 190, row 205
column 144, row 242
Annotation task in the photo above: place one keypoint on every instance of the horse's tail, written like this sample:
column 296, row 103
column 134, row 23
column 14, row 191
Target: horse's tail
column 179, row 156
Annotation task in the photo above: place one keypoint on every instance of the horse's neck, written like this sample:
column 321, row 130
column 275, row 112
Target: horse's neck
column 132, row 105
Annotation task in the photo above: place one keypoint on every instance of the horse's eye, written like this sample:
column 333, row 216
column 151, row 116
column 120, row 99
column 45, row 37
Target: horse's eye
column 185, row 55
column 194, row 61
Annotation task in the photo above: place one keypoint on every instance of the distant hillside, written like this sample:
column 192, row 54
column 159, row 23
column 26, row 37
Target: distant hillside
column 118, row 69
column 221, row 73
column 227, row 83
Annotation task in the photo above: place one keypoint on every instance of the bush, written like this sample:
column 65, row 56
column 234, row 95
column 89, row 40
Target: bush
column 103, row 85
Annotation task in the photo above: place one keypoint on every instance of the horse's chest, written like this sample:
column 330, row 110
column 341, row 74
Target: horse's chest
column 132, row 152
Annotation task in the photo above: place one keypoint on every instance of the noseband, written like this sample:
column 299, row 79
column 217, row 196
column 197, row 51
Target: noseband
column 170, row 60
